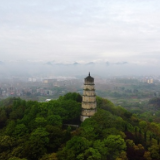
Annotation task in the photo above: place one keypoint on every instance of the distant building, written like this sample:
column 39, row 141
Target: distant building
column 89, row 98
column 32, row 79
column 47, row 100
column 49, row 80
column 150, row 81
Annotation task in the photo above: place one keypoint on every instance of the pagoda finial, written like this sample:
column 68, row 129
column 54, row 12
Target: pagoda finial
column 89, row 74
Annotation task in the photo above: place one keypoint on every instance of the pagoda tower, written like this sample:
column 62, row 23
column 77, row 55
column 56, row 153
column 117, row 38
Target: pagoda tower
column 89, row 98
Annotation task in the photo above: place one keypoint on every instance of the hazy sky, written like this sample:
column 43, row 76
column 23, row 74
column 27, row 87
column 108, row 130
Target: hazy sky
column 80, row 31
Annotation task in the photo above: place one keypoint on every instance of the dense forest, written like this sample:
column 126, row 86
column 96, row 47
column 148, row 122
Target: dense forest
column 31, row 130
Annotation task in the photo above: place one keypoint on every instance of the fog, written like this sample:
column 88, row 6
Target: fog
column 61, row 38
column 103, row 69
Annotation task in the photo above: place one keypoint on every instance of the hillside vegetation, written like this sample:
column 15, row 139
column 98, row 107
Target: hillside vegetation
column 31, row 130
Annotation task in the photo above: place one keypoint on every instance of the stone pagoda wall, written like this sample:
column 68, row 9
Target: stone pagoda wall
column 88, row 100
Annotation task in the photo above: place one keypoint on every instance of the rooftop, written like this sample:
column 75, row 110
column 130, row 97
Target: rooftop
column 89, row 78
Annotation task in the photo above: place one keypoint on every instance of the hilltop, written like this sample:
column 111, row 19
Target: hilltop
column 31, row 130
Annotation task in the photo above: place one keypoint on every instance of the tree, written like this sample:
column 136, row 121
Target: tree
column 41, row 122
column 72, row 96
column 115, row 145
column 56, row 137
column 154, row 150
column 20, row 130
column 54, row 120
column 6, row 143
column 3, row 118
column 147, row 155
column 102, row 149
column 36, row 146
column 87, row 129
column 134, row 151
column 51, row 156
column 10, row 127
column 16, row 158
column 74, row 147
column 92, row 154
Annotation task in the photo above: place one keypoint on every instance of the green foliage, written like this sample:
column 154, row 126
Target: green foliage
column 35, row 131
column 101, row 147
column 41, row 122
column 74, row 148
column 20, row 130
column 104, row 103
column 92, row 154
column 36, row 146
column 109, row 106
column 55, row 120
column 72, row 96
column 41, row 135
column 115, row 145
column 102, row 124
column 16, row 158
column 143, row 125
column 52, row 156
column 10, row 127
column 6, row 142
column 78, row 144
column 56, row 137
column 3, row 117
column 88, row 129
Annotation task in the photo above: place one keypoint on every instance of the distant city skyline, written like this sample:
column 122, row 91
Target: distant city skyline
column 125, row 33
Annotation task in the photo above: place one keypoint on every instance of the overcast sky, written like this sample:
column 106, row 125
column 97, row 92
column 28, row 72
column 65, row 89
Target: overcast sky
column 81, row 31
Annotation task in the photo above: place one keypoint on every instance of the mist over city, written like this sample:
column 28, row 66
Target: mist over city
column 100, row 68
column 61, row 38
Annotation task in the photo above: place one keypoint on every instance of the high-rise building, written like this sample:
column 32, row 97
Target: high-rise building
column 89, row 98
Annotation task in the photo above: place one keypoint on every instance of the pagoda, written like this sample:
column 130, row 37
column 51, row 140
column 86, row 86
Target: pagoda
column 89, row 98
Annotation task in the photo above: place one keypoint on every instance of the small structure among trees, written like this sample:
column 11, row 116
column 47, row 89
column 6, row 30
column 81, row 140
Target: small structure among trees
column 89, row 98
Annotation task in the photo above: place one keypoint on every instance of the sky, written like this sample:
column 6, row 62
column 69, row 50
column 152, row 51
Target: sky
column 81, row 31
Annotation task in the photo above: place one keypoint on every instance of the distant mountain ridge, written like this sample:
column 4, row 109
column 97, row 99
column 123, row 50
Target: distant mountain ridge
column 105, row 68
